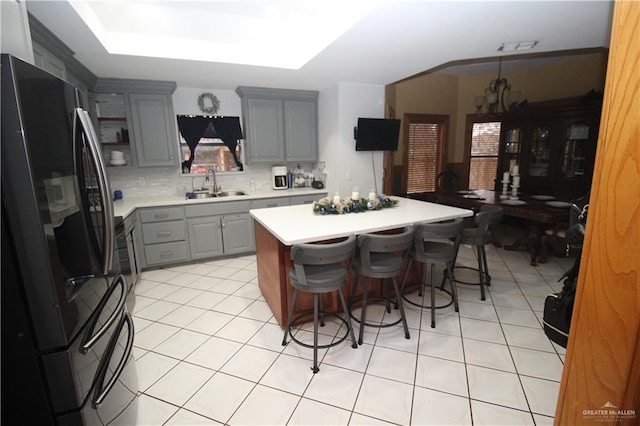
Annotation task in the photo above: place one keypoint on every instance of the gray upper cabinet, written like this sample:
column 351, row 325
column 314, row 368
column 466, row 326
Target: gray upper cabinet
column 52, row 55
column 264, row 132
column 280, row 125
column 150, row 119
column 48, row 61
column 153, row 126
column 301, row 130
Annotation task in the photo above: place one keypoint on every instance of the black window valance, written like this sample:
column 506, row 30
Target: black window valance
column 195, row 127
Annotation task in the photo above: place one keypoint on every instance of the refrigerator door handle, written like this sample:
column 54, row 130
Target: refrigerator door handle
column 104, row 188
column 92, row 337
column 102, row 390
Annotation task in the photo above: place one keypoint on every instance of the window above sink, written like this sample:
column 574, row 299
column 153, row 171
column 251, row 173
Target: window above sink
column 210, row 142
column 212, row 153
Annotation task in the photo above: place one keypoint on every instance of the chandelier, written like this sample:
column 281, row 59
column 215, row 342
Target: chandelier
column 498, row 98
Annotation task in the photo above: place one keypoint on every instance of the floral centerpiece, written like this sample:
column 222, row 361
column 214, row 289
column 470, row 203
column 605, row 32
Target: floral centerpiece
column 327, row 205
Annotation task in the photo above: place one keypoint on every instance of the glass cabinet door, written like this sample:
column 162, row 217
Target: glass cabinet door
column 574, row 150
column 539, row 151
column 512, row 147
column 111, row 117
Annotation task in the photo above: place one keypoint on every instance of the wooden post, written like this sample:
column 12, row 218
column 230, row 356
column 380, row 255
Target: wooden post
column 601, row 377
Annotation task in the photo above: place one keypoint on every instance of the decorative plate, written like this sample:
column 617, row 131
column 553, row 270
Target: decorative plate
column 513, row 202
column 558, row 204
column 543, row 197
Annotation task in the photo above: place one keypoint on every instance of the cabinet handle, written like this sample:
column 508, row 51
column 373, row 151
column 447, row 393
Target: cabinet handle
column 272, row 205
column 163, row 234
column 166, row 254
column 162, row 216
column 224, row 224
column 308, row 202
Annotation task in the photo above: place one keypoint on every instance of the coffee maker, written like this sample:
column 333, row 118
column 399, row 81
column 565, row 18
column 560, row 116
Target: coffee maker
column 279, row 177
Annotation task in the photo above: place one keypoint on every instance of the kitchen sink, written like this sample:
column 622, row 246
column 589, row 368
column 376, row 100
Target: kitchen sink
column 200, row 194
column 229, row 193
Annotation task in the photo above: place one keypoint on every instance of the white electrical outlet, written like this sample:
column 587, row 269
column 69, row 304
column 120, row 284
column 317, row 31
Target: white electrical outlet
column 348, row 175
column 142, row 181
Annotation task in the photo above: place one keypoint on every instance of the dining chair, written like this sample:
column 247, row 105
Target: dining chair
column 321, row 269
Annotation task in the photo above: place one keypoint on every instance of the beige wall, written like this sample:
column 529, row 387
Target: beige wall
column 454, row 96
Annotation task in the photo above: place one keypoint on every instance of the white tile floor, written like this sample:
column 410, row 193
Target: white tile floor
column 208, row 351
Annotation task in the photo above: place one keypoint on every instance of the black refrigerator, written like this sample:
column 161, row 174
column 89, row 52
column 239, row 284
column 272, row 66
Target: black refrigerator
column 66, row 332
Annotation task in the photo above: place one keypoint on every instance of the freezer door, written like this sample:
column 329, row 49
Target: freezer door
column 72, row 374
column 98, row 414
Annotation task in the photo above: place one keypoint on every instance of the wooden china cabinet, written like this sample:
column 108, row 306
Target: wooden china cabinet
column 554, row 145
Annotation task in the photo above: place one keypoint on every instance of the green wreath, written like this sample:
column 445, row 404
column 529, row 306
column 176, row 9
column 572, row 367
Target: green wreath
column 215, row 103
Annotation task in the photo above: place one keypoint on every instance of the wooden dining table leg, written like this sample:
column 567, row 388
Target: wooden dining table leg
column 534, row 241
column 531, row 242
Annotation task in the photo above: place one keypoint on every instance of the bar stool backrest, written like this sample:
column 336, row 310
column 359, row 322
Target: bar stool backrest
column 445, row 231
column 488, row 215
column 322, row 254
column 384, row 243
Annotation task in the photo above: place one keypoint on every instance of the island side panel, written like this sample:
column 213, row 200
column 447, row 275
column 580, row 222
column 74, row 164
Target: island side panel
column 272, row 279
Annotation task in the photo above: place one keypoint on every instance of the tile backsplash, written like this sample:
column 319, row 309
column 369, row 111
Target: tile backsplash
column 156, row 181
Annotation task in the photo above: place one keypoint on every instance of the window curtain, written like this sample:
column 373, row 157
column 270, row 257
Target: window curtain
column 195, row 127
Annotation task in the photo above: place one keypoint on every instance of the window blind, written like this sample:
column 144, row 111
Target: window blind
column 424, row 147
column 485, row 146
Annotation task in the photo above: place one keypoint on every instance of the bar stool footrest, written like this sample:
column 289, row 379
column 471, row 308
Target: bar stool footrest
column 374, row 325
column 404, row 296
column 326, row 314
column 458, row 281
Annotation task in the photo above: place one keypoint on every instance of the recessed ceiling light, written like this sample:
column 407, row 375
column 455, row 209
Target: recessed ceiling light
column 513, row 46
column 276, row 33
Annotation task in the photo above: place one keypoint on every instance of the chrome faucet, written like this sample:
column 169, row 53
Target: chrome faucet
column 215, row 183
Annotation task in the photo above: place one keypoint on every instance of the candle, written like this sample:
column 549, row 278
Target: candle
column 336, row 198
column 505, row 176
column 372, row 195
column 516, row 181
column 355, row 195
column 516, row 170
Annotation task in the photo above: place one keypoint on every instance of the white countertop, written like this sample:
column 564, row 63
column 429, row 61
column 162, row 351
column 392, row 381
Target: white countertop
column 126, row 206
column 299, row 224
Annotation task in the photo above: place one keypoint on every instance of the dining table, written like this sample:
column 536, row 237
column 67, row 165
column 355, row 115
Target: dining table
column 539, row 211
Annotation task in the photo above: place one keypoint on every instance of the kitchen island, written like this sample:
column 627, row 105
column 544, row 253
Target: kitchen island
column 278, row 229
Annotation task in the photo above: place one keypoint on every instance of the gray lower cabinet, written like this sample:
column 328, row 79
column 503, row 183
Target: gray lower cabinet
column 237, row 233
column 306, row 199
column 177, row 234
column 205, row 237
column 164, row 235
column 269, row 202
column 217, row 229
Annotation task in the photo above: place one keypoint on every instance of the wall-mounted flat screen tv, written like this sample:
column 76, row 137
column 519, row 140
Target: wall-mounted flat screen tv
column 377, row 134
